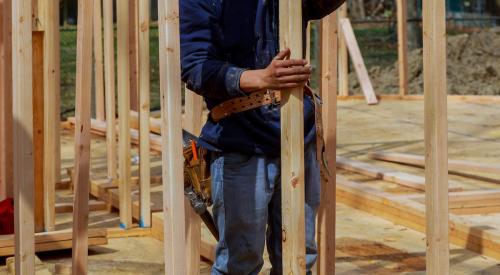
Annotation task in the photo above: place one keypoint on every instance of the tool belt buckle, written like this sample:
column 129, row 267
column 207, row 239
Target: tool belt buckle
column 272, row 95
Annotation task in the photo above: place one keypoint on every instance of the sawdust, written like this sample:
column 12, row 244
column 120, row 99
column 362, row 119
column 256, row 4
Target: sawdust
column 473, row 67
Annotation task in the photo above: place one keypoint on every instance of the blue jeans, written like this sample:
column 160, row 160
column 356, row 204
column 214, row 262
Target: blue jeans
column 246, row 191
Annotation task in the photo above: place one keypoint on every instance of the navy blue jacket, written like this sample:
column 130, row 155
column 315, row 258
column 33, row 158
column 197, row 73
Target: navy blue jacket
column 219, row 40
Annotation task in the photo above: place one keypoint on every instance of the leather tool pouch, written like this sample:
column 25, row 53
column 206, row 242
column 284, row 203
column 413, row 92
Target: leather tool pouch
column 197, row 182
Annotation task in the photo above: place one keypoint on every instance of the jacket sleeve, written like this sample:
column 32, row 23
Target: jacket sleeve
column 203, row 68
column 317, row 9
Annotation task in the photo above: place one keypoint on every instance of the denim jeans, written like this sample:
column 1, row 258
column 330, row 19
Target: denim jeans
column 246, row 191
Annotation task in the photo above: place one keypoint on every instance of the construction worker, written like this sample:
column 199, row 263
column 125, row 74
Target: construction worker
column 230, row 56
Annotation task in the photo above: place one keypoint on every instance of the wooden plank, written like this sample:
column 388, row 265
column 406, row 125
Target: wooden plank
column 2, row 70
column 123, row 113
column 110, row 93
column 38, row 128
column 329, row 86
column 144, row 111
column 402, row 11
column 343, row 56
column 478, row 99
column 52, row 98
column 82, row 136
column 100, row 112
column 436, row 136
column 193, row 110
column 133, row 54
column 292, row 147
column 357, row 61
column 454, row 165
column 172, row 159
column 23, row 162
column 68, row 207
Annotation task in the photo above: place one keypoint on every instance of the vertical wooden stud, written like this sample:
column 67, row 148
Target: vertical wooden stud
column 124, row 115
column 171, row 105
column 22, row 86
column 343, row 57
column 329, row 86
column 82, row 136
column 292, row 147
column 133, row 51
column 100, row 113
column 110, row 93
column 436, row 136
column 144, row 90
column 402, row 47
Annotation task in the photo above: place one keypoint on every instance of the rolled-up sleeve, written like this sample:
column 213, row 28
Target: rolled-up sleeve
column 203, row 68
column 317, row 9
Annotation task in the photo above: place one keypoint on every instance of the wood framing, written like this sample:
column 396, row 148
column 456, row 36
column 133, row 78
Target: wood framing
column 292, row 147
column 82, row 136
column 123, row 45
column 343, row 56
column 329, row 86
column 172, row 159
column 144, row 90
column 133, row 53
column 479, row 99
column 436, row 136
column 100, row 112
column 357, row 61
column 402, row 11
column 110, row 93
column 23, row 162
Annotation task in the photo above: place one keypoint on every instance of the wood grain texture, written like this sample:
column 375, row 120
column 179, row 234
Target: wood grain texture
column 133, row 52
column 329, row 86
column 172, row 159
column 110, row 92
column 436, row 137
column 82, row 136
column 357, row 61
column 23, row 162
column 100, row 112
column 144, row 111
column 402, row 15
column 292, row 147
column 343, row 57
column 123, row 45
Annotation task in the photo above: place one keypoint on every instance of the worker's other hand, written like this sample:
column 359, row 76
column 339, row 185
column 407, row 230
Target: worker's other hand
column 282, row 73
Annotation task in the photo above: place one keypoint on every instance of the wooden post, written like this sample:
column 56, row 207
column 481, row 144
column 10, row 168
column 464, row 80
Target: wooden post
column 144, row 90
column 98, row 62
column 327, row 211
column 82, row 136
column 124, row 115
column 292, row 147
column 436, row 136
column 133, row 51
column 171, row 129
column 110, row 93
column 402, row 47
column 343, row 57
column 22, row 85
column 193, row 111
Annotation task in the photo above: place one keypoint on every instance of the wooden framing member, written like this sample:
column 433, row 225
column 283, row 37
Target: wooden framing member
column 144, row 90
column 172, row 159
column 402, row 14
column 343, row 56
column 192, row 111
column 292, row 147
column 82, row 136
column 436, row 136
column 110, row 93
column 100, row 112
column 329, row 86
column 23, row 162
column 478, row 99
column 357, row 61
column 133, row 40
column 123, row 45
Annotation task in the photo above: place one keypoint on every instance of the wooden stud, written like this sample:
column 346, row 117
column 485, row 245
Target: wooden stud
column 357, row 60
column 292, row 147
column 171, row 105
column 100, row 113
column 144, row 90
column 2, row 130
column 133, row 52
column 402, row 11
column 22, row 91
column 82, row 136
column 123, row 114
column 329, row 87
column 110, row 93
column 436, row 136
column 193, row 110
column 343, row 57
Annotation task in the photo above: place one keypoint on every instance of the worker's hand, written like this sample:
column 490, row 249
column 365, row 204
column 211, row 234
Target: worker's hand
column 282, row 73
